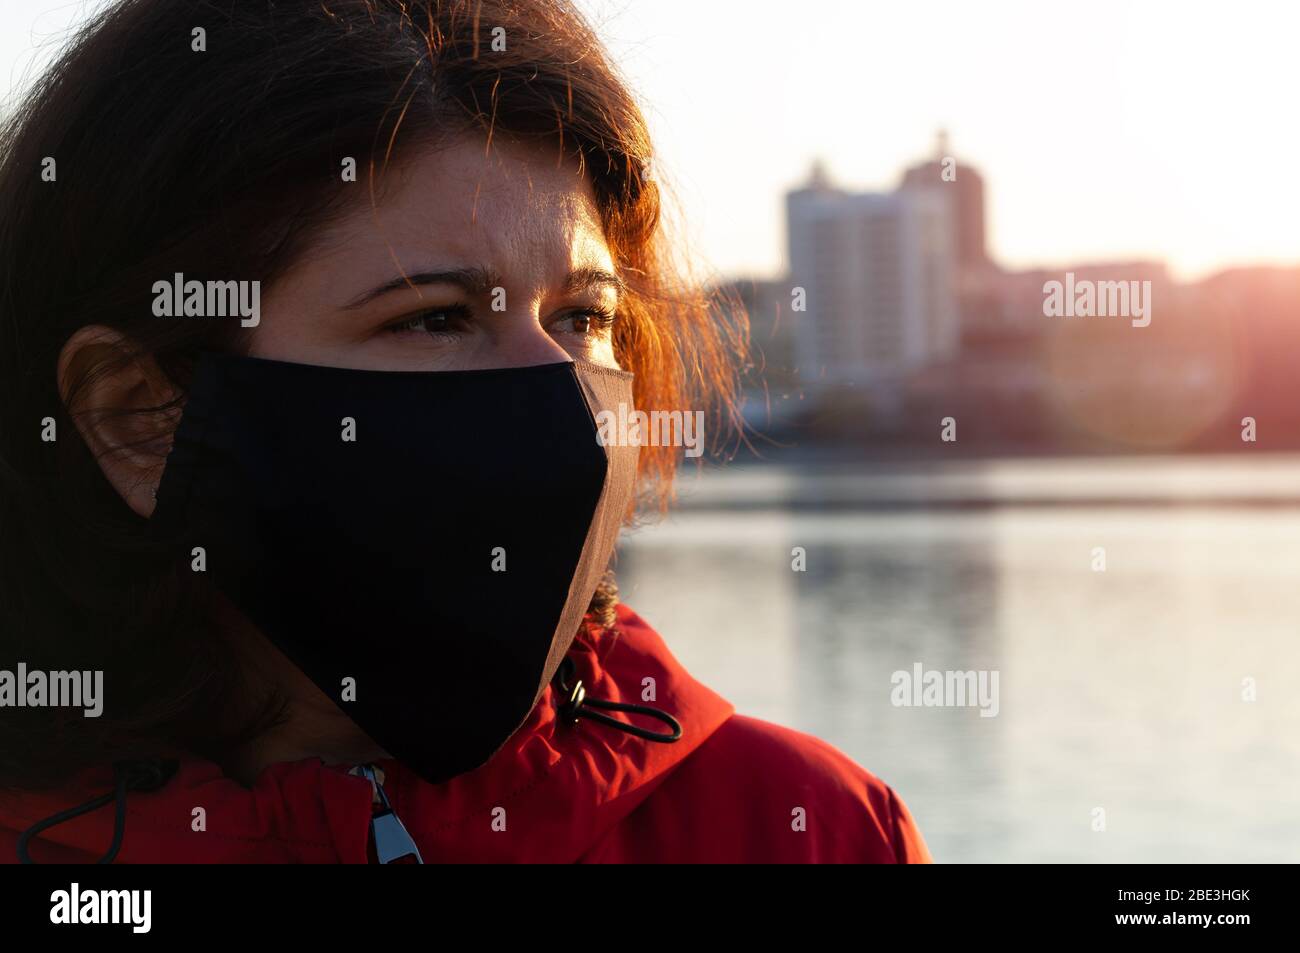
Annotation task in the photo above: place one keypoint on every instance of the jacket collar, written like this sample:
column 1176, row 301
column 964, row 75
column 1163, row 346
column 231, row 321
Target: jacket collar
column 551, row 791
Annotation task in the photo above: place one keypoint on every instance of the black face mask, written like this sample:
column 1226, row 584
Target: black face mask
column 442, row 559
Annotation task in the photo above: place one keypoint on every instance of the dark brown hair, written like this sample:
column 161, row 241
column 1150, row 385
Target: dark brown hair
column 226, row 162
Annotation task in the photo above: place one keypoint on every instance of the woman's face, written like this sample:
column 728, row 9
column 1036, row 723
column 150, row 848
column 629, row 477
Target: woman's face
column 469, row 258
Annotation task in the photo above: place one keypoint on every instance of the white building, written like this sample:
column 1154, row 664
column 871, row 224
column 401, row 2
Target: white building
column 878, row 272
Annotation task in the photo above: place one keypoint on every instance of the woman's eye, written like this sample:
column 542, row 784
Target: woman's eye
column 588, row 321
column 436, row 321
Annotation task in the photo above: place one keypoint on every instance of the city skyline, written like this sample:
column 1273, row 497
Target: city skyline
column 973, row 204
column 896, row 315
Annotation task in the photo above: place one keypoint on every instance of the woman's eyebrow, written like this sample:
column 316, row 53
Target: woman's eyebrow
column 473, row 281
column 592, row 279
column 481, row 281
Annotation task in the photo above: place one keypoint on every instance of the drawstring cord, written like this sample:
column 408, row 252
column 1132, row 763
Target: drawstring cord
column 578, row 705
column 146, row 775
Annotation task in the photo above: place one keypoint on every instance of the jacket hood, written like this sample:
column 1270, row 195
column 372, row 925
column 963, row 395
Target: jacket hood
column 552, row 790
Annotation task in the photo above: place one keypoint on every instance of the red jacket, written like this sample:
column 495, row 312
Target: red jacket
column 733, row 789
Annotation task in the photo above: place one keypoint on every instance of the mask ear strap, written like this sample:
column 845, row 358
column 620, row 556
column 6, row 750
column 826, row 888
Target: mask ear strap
column 578, row 705
column 148, row 775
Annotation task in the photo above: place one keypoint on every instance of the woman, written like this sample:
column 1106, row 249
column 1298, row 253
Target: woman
column 310, row 313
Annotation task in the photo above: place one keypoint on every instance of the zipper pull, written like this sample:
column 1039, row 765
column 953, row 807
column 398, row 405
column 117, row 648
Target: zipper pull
column 392, row 841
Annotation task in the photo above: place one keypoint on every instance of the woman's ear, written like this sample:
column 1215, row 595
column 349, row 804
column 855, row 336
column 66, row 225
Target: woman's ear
column 114, row 399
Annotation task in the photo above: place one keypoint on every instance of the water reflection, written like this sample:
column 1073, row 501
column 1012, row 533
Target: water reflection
column 1120, row 690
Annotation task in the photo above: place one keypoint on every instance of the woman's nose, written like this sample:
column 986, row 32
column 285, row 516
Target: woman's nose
column 521, row 341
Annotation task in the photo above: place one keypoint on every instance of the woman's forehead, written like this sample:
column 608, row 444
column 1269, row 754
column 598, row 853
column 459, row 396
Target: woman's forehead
column 495, row 204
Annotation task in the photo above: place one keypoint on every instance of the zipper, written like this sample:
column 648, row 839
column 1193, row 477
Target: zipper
column 393, row 844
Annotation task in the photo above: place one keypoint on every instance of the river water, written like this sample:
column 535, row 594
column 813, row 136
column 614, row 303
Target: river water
column 1143, row 617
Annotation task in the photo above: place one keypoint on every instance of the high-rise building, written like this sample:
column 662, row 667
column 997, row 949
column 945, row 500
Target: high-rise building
column 877, row 271
column 964, row 188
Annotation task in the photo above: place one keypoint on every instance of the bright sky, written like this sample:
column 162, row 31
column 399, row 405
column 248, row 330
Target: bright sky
column 1105, row 129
